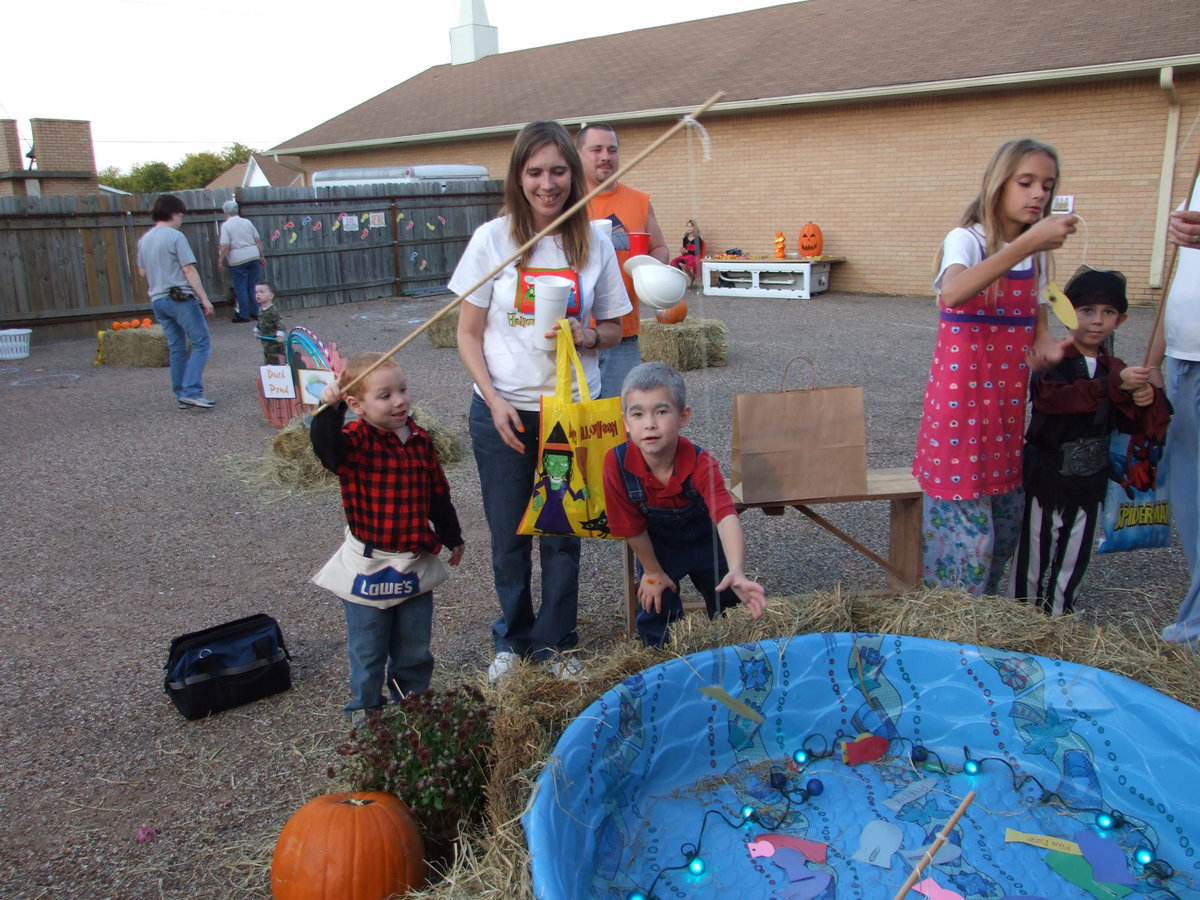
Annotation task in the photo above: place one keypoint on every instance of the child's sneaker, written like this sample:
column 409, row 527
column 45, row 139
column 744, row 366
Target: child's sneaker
column 502, row 666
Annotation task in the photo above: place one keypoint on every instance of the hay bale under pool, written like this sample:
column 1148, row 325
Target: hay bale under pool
column 691, row 344
column 444, row 332
column 144, row 347
column 533, row 708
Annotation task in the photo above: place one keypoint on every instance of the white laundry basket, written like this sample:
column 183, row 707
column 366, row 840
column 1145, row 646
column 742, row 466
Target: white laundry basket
column 14, row 343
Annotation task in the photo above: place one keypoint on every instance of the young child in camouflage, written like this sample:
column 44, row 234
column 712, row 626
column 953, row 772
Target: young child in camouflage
column 270, row 326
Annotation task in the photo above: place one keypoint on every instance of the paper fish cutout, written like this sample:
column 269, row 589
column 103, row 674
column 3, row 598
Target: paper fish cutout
column 1060, row 305
column 935, row 891
column 307, row 219
column 879, row 840
column 864, row 748
column 1078, row 871
column 317, row 227
column 337, row 224
column 275, row 236
column 292, row 239
column 409, row 226
column 422, row 266
column 1106, row 856
column 364, row 217
column 440, row 219
column 414, row 256
column 365, row 232
column 1062, row 845
column 399, row 216
column 946, row 853
column 732, row 704
column 431, row 226
column 289, row 225
column 767, row 844
column 914, row 791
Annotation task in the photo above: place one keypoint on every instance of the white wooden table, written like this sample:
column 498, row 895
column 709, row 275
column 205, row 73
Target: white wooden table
column 790, row 279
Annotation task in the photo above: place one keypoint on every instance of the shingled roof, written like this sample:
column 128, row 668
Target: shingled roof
column 814, row 51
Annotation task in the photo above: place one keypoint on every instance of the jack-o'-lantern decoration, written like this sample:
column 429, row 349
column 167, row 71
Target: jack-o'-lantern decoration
column 811, row 241
column 780, row 245
column 673, row 314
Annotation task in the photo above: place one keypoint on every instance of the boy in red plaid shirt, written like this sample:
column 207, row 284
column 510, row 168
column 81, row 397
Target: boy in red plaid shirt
column 399, row 516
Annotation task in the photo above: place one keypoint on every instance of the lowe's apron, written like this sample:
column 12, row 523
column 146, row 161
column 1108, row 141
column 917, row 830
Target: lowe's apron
column 372, row 577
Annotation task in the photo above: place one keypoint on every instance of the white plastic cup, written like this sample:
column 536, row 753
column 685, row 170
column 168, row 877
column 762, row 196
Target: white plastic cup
column 605, row 226
column 551, row 294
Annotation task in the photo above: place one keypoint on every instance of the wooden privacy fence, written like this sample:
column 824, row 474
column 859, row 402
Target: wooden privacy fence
column 69, row 262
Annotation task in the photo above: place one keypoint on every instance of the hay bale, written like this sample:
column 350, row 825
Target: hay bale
column 447, row 443
column 146, row 347
column 691, row 344
column 444, row 332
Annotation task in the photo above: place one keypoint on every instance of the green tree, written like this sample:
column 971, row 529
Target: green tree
column 150, row 178
column 196, row 170
column 112, row 177
column 236, row 153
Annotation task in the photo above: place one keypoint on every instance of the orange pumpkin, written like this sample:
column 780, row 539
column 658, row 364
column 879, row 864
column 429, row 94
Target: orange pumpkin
column 672, row 314
column 117, row 326
column 146, row 323
column 364, row 846
column 780, row 245
column 133, row 323
column 811, row 240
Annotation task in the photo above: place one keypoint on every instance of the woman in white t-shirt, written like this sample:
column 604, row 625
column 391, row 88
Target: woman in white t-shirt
column 496, row 341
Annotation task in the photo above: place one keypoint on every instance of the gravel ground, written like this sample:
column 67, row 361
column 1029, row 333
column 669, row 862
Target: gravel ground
column 131, row 521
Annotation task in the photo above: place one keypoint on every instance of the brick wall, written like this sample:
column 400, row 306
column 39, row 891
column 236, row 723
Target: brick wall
column 65, row 145
column 11, row 159
column 887, row 180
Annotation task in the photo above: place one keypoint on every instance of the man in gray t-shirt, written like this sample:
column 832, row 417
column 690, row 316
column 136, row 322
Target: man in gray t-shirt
column 177, row 296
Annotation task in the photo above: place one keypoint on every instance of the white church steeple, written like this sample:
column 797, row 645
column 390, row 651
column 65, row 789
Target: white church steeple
column 472, row 38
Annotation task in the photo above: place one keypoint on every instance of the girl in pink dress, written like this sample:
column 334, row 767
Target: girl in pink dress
column 990, row 273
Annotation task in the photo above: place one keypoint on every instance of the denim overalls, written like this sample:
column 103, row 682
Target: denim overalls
column 686, row 543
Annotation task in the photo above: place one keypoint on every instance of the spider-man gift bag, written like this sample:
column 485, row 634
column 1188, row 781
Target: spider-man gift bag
column 1137, row 512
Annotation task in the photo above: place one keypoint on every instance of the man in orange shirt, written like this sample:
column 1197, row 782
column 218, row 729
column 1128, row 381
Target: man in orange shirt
column 629, row 211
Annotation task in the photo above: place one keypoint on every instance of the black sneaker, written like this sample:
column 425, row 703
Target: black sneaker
column 237, row 319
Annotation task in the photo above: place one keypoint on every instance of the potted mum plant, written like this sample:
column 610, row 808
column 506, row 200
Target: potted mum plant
column 432, row 750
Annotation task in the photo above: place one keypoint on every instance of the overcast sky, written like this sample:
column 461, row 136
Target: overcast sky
column 162, row 78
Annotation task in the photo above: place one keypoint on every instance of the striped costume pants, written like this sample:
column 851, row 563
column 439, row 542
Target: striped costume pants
column 1053, row 553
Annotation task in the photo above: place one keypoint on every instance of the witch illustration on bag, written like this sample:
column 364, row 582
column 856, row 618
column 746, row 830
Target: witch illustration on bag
column 557, row 458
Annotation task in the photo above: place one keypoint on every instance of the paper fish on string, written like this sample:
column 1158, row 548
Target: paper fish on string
column 292, row 239
column 422, row 266
column 431, row 226
column 1106, row 856
column 289, row 225
column 275, row 236
column 317, row 227
column 1061, row 306
column 409, row 227
column 864, row 748
column 935, row 891
column 440, row 219
column 1045, row 841
column 364, row 217
column 307, row 219
column 365, row 232
column 414, row 256
column 337, row 224
column 734, row 705
column 399, row 216
column 878, row 841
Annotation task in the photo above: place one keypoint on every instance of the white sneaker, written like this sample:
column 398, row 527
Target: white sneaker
column 502, row 666
column 564, row 668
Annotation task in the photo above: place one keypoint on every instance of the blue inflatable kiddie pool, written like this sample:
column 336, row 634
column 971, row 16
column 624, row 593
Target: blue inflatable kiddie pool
column 828, row 766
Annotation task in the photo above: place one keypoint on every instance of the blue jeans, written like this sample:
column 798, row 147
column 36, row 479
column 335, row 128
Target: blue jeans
column 181, row 323
column 397, row 637
column 506, row 482
column 245, row 280
column 617, row 362
column 1183, row 485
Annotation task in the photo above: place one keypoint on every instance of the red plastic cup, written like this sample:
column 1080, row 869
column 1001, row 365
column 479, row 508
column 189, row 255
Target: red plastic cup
column 639, row 243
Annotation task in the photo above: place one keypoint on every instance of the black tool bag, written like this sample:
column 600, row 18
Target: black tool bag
column 227, row 665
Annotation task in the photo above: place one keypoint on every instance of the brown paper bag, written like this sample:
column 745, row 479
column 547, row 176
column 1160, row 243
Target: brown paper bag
column 795, row 445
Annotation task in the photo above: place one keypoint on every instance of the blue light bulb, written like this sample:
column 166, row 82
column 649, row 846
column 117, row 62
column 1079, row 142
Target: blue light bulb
column 1105, row 822
column 747, row 812
column 1144, row 856
column 636, row 895
column 800, row 756
column 919, row 754
column 971, row 767
column 696, row 865
column 815, row 787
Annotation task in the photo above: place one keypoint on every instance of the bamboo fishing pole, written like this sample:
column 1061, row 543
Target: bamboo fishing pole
column 943, row 836
column 1169, row 273
column 549, row 229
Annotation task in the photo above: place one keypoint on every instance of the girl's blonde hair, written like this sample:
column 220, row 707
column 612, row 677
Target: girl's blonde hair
column 359, row 363
column 985, row 208
column 576, row 232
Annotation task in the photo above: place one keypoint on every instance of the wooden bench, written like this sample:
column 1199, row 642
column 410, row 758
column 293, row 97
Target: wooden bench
column 903, row 564
column 791, row 279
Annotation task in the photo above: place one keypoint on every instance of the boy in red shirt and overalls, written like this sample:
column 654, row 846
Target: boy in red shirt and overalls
column 668, row 499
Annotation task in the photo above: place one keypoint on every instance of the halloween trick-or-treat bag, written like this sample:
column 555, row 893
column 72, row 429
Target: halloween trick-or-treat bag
column 574, row 437
column 1136, row 513
column 803, row 444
